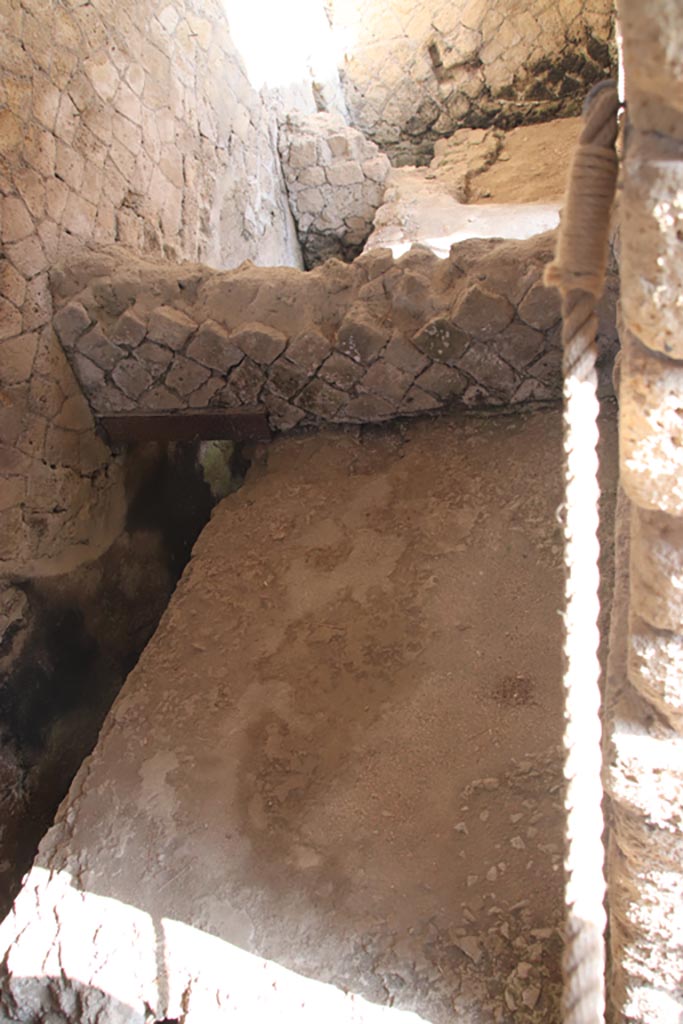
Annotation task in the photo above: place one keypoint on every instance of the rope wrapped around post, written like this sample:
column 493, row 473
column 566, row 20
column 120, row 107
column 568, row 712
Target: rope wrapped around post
column 578, row 271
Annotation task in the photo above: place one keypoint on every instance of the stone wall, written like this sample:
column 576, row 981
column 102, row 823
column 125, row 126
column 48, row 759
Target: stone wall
column 645, row 698
column 357, row 342
column 126, row 121
column 335, row 180
column 416, row 72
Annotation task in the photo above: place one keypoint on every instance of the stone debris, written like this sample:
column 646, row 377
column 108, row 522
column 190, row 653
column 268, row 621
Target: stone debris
column 335, row 181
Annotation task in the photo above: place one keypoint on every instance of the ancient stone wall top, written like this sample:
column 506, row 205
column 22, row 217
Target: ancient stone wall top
column 345, row 343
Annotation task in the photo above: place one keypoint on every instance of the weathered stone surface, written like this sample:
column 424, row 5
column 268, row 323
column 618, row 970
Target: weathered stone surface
column 368, row 409
column 657, row 569
column 651, row 445
column 488, row 369
column 131, row 377
column 244, row 385
column 443, row 381
column 155, row 357
column 320, row 399
column 170, row 327
column 360, row 339
column 387, row 381
column 16, row 358
column 260, row 342
column 212, row 347
column 441, row 340
column 185, row 376
column 481, row 312
column 308, row 350
column 341, row 371
column 71, row 322
column 96, row 346
column 129, row 329
column 519, row 345
column 540, row 307
column 655, row 665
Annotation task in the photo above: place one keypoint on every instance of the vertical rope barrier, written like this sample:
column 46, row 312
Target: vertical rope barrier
column 578, row 271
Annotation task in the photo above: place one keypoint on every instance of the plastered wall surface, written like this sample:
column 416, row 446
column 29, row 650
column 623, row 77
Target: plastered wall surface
column 415, row 72
column 126, row 121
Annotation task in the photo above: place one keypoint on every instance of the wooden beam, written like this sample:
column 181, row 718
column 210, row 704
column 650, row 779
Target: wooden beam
column 243, row 424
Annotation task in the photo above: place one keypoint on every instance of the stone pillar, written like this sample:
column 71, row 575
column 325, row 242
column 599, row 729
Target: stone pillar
column 645, row 688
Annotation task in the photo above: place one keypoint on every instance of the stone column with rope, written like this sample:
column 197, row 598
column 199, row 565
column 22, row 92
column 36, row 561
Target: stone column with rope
column 644, row 700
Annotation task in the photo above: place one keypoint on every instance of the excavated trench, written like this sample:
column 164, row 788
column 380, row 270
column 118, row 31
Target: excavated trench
column 87, row 630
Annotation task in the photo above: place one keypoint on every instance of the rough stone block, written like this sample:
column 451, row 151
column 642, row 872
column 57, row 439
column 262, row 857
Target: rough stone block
column 155, row 357
column 159, row 398
column 260, row 342
column 441, row 340
column 185, row 376
column 488, row 369
column 405, row 356
column 320, row 399
column 368, row 409
column 418, row 400
column 651, row 268
column 481, row 312
column 344, row 173
column 96, row 346
column 11, row 321
column 308, row 350
column 657, row 569
column 443, row 381
column 90, row 376
column 655, row 667
column 15, row 219
column 12, row 284
column 387, row 381
column 360, row 339
column 27, row 256
column 129, row 329
column 16, row 358
column 286, row 379
column 131, row 377
column 282, row 415
column 519, row 345
column 212, row 347
column 244, row 384
column 70, row 323
column 168, row 326
column 651, row 427
column 540, row 307
column 340, row 371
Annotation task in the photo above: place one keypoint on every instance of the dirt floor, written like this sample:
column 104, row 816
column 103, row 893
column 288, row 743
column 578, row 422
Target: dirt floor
column 341, row 750
column 532, row 165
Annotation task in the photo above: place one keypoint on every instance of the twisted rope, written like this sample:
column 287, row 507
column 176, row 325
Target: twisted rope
column 579, row 273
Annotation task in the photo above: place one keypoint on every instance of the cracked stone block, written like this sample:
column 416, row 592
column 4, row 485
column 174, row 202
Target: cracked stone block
column 244, row 385
column 185, row 376
column 90, row 376
column 96, row 346
column 481, row 312
column 405, row 356
column 519, row 345
column 109, row 399
column 286, row 379
column 321, row 399
column 212, row 347
column 441, row 340
column 260, row 342
column 482, row 363
column 131, row 377
column 205, row 395
column 443, row 381
column 360, row 339
column 387, row 381
column 168, row 326
column 341, row 371
column 155, row 357
column 531, row 390
column 308, row 350
column 159, row 398
column 70, row 323
column 411, row 296
column 129, row 329
column 12, row 284
column 369, row 409
column 548, row 369
column 282, row 415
